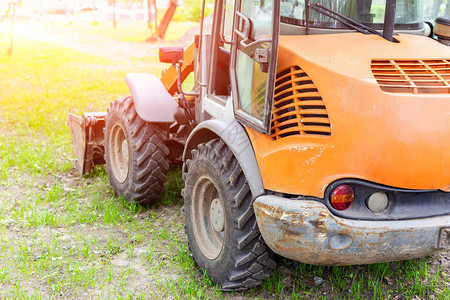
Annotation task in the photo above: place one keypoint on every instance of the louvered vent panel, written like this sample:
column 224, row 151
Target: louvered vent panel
column 413, row 76
column 298, row 108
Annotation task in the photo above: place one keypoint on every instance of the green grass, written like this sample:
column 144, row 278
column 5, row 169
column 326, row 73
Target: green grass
column 62, row 236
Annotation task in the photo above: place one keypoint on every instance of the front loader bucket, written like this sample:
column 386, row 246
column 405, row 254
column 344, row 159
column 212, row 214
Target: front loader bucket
column 87, row 139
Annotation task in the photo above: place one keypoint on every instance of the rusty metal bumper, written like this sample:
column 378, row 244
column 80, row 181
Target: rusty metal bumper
column 306, row 231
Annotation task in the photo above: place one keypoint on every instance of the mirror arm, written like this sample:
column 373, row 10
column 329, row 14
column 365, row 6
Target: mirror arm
column 180, row 89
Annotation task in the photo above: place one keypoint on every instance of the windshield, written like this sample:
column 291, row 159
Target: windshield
column 409, row 13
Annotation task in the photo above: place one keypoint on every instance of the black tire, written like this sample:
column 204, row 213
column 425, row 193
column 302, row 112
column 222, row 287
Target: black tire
column 135, row 154
column 233, row 253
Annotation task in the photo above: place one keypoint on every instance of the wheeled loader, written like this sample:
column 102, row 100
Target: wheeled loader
column 317, row 130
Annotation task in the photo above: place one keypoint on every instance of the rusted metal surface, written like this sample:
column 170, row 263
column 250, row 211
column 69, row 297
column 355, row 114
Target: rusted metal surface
column 306, row 231
column 87, row 139
column 444, row 238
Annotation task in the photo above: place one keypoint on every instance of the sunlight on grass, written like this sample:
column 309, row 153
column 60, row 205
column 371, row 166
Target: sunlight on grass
column 130, row 31
column 44, row 86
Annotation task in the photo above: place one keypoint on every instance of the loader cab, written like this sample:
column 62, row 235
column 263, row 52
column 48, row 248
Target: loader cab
column 243, row 59
column 244, row 43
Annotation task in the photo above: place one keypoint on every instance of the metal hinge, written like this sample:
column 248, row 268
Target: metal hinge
column 262, row 57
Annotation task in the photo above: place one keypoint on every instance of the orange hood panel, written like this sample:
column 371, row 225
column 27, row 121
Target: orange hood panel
column 396, row 139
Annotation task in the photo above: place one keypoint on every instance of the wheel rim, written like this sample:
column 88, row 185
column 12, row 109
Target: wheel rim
column 208, row 217
column 119, row 156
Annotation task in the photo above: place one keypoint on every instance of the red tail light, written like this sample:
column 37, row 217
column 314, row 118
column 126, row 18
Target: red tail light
column 342, row 197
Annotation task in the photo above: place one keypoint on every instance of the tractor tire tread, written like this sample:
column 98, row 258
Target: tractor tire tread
column 251, row 260
column 149, row 164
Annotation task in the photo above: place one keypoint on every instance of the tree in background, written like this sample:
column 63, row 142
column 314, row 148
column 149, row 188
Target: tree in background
column 191, row 10
column 11, row 11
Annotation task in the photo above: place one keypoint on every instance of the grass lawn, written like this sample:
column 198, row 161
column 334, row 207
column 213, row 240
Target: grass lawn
column 62, row 236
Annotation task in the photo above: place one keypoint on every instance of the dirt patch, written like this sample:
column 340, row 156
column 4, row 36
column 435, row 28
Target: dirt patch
column 188, row 37
column 115, row 50
column 96, row 259
column 5, row 130
column 441, row 262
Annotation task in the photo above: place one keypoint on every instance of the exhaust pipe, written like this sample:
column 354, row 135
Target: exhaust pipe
column 389, row 19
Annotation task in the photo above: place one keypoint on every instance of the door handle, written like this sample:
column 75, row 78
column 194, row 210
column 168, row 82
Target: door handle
column 245, row 33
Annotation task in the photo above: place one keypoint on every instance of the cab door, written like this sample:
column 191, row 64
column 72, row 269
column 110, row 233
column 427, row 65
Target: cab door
column 254, row 59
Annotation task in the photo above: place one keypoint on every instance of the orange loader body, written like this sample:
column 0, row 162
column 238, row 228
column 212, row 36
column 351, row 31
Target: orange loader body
column 391, row 138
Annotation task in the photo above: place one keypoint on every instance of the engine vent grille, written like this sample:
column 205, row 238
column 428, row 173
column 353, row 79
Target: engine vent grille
column 413, row 76
column 298, row 108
